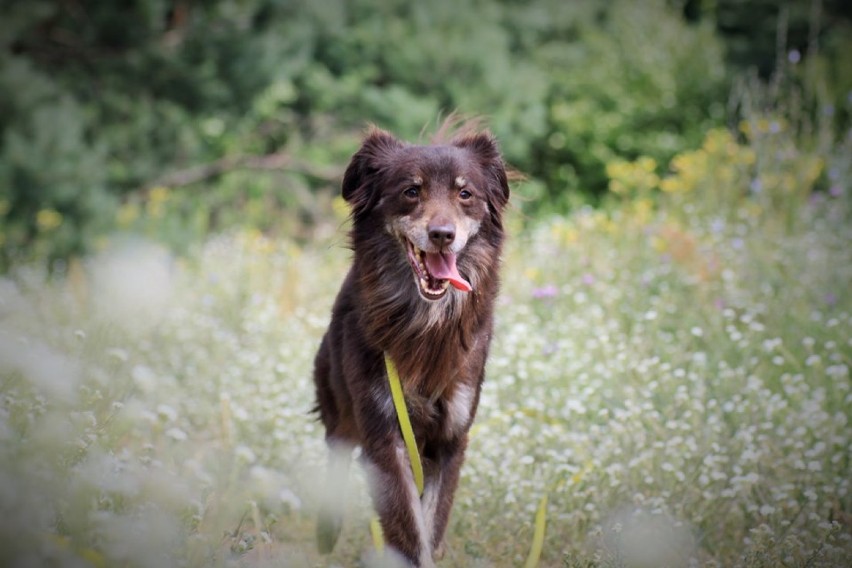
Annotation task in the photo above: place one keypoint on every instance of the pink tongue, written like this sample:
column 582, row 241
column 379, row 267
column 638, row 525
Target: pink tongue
column 442, row 266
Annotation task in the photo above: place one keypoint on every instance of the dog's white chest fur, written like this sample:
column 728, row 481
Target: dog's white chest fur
column 459, row 408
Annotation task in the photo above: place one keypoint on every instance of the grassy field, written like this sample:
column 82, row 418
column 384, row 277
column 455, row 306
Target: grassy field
column 672, row 373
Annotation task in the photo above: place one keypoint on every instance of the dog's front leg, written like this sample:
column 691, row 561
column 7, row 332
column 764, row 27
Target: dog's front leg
column 440, row 490
column 396, row 499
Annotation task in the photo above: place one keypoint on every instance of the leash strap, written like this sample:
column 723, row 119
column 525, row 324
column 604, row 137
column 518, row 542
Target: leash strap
column 405, row 423
column 376, row 533
column 417, row 470
column 538, row 534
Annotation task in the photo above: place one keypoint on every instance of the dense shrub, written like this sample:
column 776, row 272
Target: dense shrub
column 619, row 93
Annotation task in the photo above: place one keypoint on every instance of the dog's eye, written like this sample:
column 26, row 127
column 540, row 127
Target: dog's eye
column 411, row 192
column 465, row 195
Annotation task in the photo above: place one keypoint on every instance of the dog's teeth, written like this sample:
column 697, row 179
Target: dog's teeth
column 429, row 291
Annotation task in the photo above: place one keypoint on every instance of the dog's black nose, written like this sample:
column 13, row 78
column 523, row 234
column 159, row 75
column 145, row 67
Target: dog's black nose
column 442, row 235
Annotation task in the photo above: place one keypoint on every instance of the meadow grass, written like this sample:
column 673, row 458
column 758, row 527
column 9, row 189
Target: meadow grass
column 672, row 373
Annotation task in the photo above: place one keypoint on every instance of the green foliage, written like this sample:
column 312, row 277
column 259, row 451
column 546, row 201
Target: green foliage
column 47, row 164
column 616, row 93
column 104, row 100
column 103, row 103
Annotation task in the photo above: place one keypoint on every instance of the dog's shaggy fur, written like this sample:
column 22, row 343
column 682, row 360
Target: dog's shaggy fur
column 427, row 235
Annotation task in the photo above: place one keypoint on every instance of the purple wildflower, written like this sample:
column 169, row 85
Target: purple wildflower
column 548, row 291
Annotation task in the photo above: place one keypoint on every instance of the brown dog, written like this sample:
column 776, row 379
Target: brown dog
column 427, row 234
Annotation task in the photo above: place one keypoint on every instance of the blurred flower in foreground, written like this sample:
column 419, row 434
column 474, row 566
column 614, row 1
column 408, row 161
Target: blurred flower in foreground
column 49, row 371
column 645, row 539
column 132, row 283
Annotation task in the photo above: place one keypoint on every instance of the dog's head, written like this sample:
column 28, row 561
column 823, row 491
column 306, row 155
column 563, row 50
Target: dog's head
column 433, row 200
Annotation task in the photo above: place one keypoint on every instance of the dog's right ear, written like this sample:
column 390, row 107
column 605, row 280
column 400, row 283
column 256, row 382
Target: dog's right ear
column 358, row 181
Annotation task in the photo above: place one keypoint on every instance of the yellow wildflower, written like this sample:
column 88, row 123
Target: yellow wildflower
column 340, row 207
column 126, row 214
column 671, row 184
column 638, row 176
column 642, row 209
column 646, row 164
column 159, row 194
column 563, row 233
column 746, row 156
column 48, row 219
column 157, row 198
column 717, row 140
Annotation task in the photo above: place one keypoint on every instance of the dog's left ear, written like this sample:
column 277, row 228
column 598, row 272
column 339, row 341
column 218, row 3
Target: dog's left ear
column 484, row 148
column 359, row 180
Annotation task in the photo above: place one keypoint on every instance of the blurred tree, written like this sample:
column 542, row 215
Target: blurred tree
column 100, row 99
column 257, row 104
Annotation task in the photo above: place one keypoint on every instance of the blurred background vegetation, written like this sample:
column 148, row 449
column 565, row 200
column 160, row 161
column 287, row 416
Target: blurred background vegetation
column 175, row 118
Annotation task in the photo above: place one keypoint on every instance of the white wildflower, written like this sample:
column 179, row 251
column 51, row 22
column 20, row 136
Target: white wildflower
column 176, row 434
column 118, row 354
column 144, row 378
column 837, row 371
column 166, row 413
column 132, row 284
column 290, row 499
column 246, row 454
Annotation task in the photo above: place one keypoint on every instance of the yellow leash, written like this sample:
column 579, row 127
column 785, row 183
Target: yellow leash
column 405, row 423
column 410, row 444
column 538, row 534
column 417, row 471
